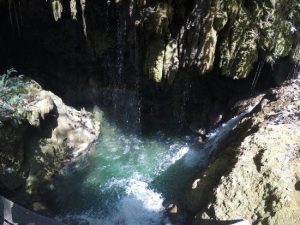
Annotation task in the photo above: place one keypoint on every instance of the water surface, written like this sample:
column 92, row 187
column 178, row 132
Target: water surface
column 130, row 177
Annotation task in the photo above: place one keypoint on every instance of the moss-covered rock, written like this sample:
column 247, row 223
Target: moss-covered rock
column 155, row 59
column 40, row 137
column 199, row 35
column 161, row 55
column 226, row 37
column 161, row 62
column 245, row 32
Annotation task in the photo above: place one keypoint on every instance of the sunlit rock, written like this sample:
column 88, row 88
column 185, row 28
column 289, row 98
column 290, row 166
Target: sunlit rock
column 57, row 9
column 41, row 136
column 255, row 177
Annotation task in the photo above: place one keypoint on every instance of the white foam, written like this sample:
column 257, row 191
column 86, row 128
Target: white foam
column 218, row 135
column 175, row 153
column 150, row 199
column 113, row 182
column 132, row 212
column 139, row 206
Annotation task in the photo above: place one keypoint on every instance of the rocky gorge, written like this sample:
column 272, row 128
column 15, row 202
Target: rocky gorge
column 158, row 48
column 188, row 66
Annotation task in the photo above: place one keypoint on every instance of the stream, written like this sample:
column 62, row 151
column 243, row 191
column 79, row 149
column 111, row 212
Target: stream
column 130, row 177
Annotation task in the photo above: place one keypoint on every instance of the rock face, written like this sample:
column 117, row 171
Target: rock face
column 206, row 35
column 39, row 135
column 256, row 176
column 160, row 37
column 158, row 48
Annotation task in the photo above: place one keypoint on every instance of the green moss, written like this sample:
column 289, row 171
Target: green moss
column 239, row 48
column 13, row 88
column 262, row 26
column 220, row 21
column 154, row 60
column 171, row 61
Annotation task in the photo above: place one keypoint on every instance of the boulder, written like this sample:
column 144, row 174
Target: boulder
column 256, row 174
column 40, row 135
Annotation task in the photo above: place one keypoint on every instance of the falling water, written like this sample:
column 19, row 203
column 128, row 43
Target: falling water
column 125, row 104
column 186, row 95
column 126, row 109
column 121, row 36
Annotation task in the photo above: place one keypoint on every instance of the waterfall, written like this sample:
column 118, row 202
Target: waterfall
column 183, row 100
column 185, row 97
column 125, row 104
column 126, row 109
column 121, row 42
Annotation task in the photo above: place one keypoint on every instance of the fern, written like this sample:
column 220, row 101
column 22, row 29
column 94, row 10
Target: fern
column 12, row 91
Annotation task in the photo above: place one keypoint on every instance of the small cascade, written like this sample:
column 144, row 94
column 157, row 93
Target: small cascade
column 107, row 24
column 215, row 138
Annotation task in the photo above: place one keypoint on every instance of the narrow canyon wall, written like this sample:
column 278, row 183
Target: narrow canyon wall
column 159, row 48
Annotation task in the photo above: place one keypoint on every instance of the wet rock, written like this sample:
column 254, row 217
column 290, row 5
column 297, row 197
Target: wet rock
column 172, row 208
column 256, row 175
column 242, row 105
column 243, row 29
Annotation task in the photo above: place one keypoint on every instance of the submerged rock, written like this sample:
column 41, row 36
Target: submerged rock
column 40, row 135
column 256, row 176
